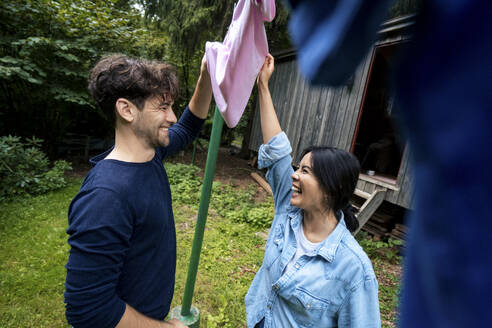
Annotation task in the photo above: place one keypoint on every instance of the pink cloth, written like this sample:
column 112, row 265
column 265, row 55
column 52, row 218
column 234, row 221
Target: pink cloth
column 234, row 64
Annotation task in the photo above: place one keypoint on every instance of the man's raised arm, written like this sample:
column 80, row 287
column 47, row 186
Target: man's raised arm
column 200, row 102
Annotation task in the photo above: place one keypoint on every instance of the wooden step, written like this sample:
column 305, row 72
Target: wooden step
column 362, row 194
column 369, row 207
column 262, row 182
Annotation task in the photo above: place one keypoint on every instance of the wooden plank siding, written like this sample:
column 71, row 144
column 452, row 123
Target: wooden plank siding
column 363, row 71
column 328, row 116
column 312, row 115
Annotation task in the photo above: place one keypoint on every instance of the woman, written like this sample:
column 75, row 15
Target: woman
column 314, row 273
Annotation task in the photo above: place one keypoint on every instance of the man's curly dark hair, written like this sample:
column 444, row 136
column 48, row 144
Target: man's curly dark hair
column 119, row 76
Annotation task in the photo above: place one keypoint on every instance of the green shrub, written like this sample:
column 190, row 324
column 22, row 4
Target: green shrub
column 185, row 183
column 230, row 202
column 24, row 168
column 389, row 249
column 240, row 207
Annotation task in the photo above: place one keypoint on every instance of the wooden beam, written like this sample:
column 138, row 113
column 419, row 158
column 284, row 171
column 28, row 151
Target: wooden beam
column 369, row 207
column 362, row 194
column 375, row 181
column 262, row 182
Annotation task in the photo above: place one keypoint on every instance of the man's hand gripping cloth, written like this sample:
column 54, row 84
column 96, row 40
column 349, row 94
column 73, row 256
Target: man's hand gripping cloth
column 234, row 64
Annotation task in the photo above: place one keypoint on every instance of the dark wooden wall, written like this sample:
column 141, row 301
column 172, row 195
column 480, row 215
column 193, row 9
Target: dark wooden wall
column 313, row 115
column 328, row 116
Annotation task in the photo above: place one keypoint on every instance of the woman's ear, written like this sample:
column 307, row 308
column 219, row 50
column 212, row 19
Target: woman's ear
column 125, row 109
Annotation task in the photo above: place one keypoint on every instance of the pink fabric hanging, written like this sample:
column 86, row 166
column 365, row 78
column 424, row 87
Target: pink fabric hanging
column 234, row 64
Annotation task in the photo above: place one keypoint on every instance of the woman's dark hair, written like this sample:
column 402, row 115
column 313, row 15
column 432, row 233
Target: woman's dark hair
column 337, row 172
column 119, row 76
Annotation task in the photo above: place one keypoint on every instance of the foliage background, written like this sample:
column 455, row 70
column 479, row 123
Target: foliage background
column 24, row 168
column 47, row 48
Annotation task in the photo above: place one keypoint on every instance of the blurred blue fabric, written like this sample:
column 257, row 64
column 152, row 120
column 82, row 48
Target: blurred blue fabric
column 445, row 101
column 327, row 33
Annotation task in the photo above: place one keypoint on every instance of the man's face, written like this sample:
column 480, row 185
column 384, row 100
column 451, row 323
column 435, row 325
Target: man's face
column 154, row 120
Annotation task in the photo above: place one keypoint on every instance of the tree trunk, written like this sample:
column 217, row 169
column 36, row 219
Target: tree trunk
column 244, row 153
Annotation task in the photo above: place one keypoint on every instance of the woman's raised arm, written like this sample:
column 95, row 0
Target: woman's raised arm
column 270, row 126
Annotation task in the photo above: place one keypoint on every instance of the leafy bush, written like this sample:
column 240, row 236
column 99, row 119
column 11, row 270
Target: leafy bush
column 24, row 168
column 232, row 203
column 240, row 206
column 185, row 183
column 389, row 249
column 47, row 48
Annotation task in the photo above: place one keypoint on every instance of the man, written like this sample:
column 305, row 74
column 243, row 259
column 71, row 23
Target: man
column 121, row 267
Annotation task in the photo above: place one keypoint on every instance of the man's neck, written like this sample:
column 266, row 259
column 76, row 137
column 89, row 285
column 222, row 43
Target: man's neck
column 130, row 148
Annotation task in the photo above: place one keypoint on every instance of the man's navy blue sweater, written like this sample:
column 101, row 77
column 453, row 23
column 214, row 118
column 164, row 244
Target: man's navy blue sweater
column 122, row 237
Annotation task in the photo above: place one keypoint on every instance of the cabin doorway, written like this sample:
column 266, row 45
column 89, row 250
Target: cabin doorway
column 378, row 144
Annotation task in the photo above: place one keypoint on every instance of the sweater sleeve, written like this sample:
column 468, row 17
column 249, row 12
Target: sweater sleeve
column 182, row 133
column 100, row 228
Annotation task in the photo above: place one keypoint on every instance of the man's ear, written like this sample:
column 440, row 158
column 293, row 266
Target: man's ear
column 125, row 109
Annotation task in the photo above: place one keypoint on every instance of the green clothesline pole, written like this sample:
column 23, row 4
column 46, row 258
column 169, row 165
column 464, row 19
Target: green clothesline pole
column 186, row 313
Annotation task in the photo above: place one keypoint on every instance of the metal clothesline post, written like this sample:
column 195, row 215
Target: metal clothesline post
column 187, row 313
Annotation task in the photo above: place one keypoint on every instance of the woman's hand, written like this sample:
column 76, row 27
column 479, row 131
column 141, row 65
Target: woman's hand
column 266, row 71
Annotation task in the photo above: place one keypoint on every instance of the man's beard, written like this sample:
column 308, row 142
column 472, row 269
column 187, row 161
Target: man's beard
column 150, row 139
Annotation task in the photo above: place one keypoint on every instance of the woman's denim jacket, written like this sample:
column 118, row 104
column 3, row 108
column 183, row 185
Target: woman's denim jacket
column 335, row 286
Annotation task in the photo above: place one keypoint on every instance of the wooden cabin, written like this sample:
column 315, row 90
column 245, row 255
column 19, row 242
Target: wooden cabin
column 359, row 117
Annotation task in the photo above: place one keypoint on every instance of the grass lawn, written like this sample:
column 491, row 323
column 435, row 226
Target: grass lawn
column 33, row 252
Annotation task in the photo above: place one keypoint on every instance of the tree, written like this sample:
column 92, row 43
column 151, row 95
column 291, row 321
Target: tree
column 46, row 50
column 188, row 25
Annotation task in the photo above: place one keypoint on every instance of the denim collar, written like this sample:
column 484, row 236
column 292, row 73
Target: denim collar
column 329, row 246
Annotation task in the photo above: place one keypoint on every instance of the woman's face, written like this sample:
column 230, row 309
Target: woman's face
column 307, row 192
